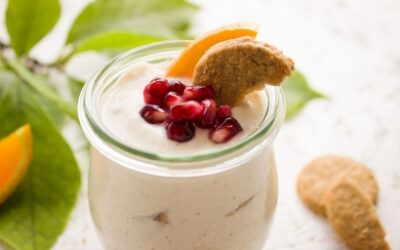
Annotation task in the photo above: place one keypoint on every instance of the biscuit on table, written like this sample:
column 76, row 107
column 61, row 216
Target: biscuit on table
column 319, row 174
column 237, row 67
column 353, row 217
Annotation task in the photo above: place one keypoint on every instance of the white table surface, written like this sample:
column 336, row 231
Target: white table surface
column 349, row 50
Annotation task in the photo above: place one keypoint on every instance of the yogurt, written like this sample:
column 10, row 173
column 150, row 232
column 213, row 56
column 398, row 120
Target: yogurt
column 231, row 210
column 120, row 113
column 223, row 202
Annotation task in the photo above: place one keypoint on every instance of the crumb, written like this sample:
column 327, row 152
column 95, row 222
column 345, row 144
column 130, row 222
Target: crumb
column 162, row 217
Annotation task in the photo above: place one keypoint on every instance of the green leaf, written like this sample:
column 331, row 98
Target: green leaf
column 37, row 212
column 40, row 85
column 157, row 17
column 56, row 115
column 115, row 41
column 29, row 21
column 75, row 87
column 298, row 93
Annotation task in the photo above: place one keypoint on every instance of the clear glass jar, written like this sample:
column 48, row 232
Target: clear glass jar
column 224, row 199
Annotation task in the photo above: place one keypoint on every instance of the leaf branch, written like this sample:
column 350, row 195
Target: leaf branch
column 37, row 84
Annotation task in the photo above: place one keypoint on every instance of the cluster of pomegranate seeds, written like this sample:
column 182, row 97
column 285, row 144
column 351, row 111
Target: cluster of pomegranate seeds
column 182, row 108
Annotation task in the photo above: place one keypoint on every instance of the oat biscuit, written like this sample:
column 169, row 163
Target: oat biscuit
column 318, row 175
column 237, row 67
column 352, row 215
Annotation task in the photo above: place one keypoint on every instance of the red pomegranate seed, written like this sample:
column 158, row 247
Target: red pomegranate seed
column 208, row 113
column 185, row 111
column 155, row 91
column 225, row 131
column 224, row 111
column 180, row 131
column 153, row 114
column 171, row 99
column 176, row 86
column 198, row 93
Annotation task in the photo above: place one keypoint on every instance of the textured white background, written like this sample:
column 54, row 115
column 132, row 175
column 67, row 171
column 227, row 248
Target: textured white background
column 349, row 50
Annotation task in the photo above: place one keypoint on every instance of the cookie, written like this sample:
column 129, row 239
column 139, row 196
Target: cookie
column 237, row 67
column 353, row 217
column 318, row 175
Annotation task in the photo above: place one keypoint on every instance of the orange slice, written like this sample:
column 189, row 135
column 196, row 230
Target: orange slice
column 184, row 64
column 15, row 158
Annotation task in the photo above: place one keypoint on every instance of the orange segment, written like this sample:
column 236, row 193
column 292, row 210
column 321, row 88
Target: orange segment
column 15, row 158
column 184, row 64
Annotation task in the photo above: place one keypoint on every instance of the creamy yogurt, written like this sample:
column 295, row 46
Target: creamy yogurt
column 231, row 210
column 120, row 114
column 136, row 208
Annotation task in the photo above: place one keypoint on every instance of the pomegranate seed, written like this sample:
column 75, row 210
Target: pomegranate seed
column 208, row 113
column 153, row 114
column 176, row 86
column 198, row 93
column 155, row 91
column 224, row 111
column 185, row 111
column 180, row 131
column 225, row 131
column 171, row 99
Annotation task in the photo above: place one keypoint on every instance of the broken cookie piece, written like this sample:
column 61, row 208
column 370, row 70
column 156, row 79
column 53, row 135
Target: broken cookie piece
column 237, row 67
column 352, row 215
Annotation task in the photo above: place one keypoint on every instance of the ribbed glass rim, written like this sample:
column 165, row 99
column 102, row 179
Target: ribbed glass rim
column 99, row 137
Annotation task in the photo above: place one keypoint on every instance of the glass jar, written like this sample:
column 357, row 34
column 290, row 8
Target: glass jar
column 223, row 199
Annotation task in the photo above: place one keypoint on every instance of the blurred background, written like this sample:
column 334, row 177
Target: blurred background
column 347, row 50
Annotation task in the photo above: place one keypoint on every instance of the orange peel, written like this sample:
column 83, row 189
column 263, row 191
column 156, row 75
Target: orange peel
column 184, row 64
